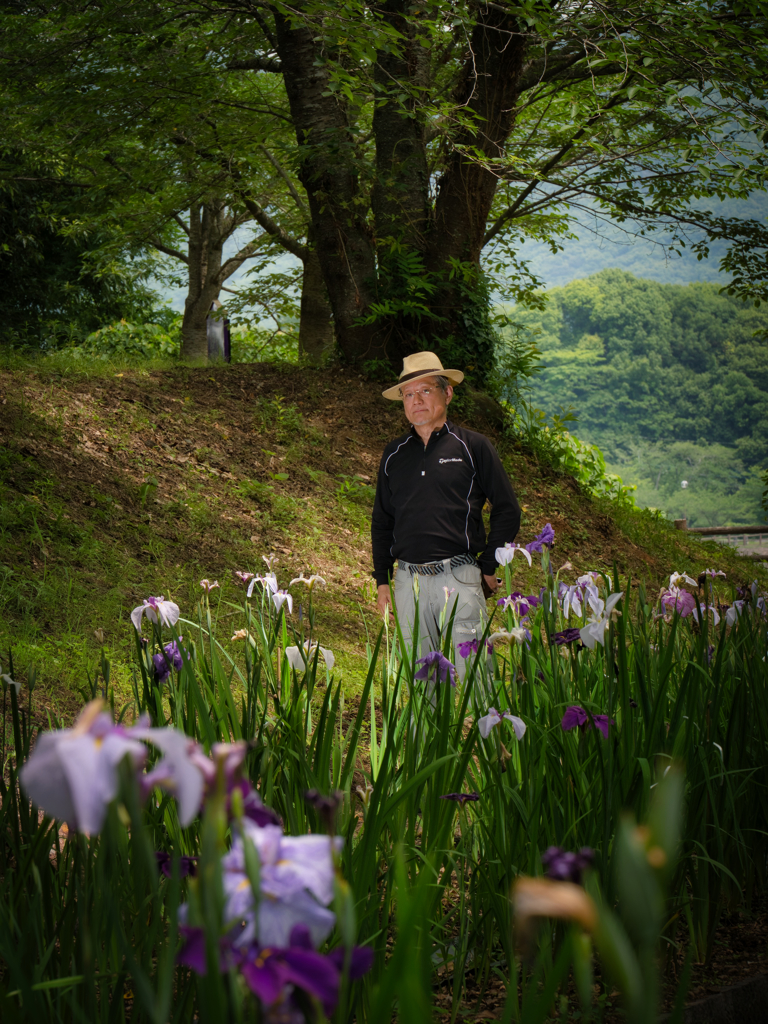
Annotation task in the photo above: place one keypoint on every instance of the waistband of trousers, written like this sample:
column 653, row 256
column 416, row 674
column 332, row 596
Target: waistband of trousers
column 436, row 568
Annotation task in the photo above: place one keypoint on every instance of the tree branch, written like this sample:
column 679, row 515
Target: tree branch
column 302, row 206
column 169, row 251
column 273, row 228
column 510, row 212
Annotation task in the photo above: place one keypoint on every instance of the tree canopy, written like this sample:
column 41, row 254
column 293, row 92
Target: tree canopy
column 411, row 147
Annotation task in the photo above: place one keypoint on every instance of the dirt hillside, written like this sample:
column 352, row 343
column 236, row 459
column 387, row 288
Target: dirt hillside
column 118, row 483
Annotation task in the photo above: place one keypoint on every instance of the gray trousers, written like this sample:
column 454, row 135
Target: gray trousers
column 469, row 621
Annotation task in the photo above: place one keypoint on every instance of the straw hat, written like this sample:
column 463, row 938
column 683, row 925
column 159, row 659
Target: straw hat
column 417, row 367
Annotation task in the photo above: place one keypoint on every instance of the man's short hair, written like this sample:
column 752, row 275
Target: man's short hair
column 442, row 383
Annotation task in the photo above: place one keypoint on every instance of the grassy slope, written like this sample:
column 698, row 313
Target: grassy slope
column 117, row 482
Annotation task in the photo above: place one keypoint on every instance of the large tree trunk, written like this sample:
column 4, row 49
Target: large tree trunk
column 206, row 242
column 488, row 90
column 357, row 273
column 327, row 171
column 316, row 336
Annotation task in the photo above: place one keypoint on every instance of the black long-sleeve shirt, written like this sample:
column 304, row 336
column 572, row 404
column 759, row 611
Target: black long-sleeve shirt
column 429, row 500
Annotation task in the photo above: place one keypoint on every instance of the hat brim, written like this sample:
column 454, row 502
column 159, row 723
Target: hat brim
column 393, row 394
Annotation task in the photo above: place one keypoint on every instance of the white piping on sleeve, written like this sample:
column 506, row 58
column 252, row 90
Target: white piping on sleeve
column 387, row 474
column 471, row 482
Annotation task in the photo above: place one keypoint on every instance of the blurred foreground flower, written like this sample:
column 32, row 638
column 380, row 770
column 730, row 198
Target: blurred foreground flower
column 272, row 972
column 566, row 866
column 296, row 876
column 72, row 773
column 545, row 897
column 436, row 666
column 227, row 762
column 494, row 718
column 157, row 609
column 577, row 717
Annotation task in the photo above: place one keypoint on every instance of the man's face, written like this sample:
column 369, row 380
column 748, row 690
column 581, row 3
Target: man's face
column 425, row 402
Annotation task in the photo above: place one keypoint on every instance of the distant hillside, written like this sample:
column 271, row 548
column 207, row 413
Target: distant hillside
column 600, row 245
column 669, row 380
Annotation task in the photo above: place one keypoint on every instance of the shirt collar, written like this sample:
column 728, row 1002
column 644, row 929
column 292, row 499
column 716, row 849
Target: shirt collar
column 436, row 433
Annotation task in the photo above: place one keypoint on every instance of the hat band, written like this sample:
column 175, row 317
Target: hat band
column 420, row 373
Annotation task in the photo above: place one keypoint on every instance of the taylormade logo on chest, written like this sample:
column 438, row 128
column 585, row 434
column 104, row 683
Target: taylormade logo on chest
column 441, row 461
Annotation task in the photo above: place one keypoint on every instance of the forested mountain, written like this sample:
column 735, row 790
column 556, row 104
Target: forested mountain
column 671, row 381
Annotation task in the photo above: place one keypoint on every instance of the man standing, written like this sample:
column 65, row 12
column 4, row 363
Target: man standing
column 432, row 485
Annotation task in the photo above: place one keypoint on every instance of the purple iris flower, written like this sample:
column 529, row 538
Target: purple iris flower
column 172, row 659
column 187, row 865
column 243, row 578
column 567, row 636
column 565, row 866
column 192, row 952
column 326, row 806
column 437, row 666
column 461, row 798
column 521, row 604
column 680, row 600
column 576, row 716
column 547, row 536
column 269, row 970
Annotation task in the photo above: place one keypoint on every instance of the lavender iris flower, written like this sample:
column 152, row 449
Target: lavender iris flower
column 243, row 577
column 577, row 717
column 546, row 537
column 157, row 609
column 296, row 875
column 565, row 866
column 494, row 718
column 436, row 666
column 567, row 636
